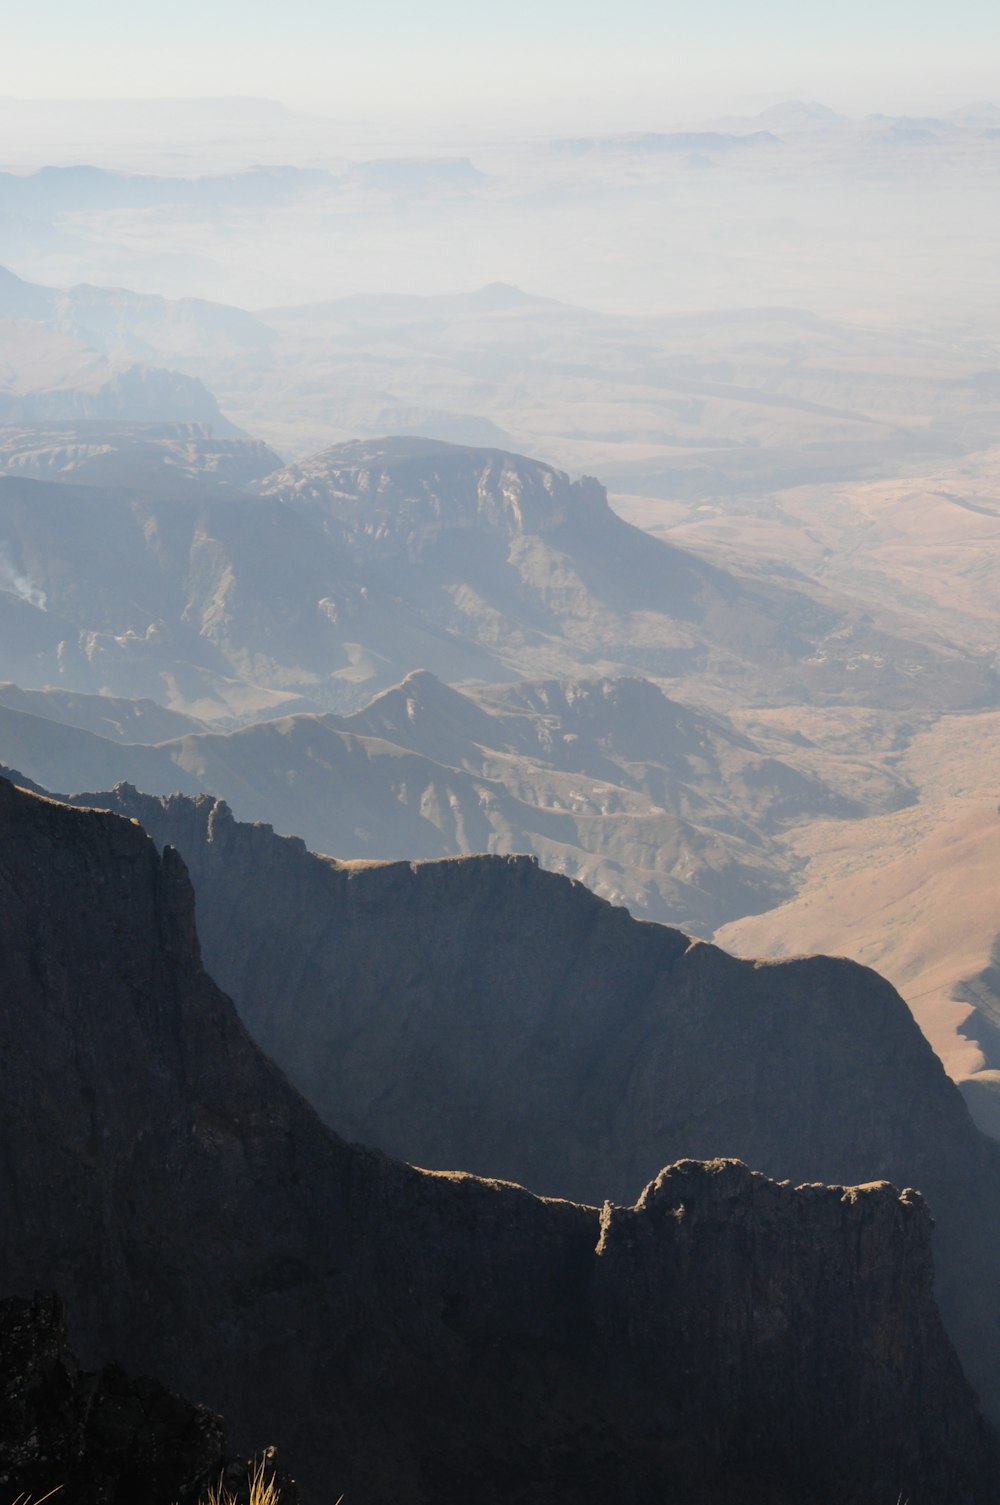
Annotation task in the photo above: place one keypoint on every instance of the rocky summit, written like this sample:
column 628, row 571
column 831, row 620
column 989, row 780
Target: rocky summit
column 421, row 1336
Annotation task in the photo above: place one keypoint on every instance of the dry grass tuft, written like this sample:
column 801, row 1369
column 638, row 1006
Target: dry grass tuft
column 263, row 1490
column 262, row 1486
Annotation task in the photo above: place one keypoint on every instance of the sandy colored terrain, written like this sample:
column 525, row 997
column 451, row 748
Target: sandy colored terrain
column 925, row 545
column 911, row 893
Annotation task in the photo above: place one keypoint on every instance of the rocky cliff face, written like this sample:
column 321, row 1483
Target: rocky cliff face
column 483, row 1013
column 401, row 497
column 413, row 1336
column 517, row 558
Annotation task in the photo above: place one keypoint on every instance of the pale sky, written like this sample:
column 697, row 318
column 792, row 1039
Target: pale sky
column 518, row 56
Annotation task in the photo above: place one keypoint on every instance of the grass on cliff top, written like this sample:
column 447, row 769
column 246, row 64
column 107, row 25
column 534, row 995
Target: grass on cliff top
column 263, row 1489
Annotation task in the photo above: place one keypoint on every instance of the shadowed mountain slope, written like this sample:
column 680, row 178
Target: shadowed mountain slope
column 481, row 1012
column 421, row 1337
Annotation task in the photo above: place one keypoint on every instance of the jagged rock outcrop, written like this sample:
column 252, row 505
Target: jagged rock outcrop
column 486, row 1014
column 415, row 1336
column 697, row 1215
column 107, row 1438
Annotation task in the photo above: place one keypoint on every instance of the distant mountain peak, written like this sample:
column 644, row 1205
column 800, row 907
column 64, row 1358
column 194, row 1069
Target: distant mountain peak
column 798, row 114
column 503, row 295
column 404, row 488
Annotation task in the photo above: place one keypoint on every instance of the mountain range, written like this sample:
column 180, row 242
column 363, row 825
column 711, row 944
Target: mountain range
column 669, row 810
column 338, row 576
column 686, row 408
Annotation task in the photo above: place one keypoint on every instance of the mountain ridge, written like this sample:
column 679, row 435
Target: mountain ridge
column 480, row 1011
column 415, row 1335
column 667, row 809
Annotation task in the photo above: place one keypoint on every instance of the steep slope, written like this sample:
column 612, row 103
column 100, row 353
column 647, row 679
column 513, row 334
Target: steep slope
column 363, row 797
column 657, row 806
column 421, row 1337
column 483, row 1013
column 911, row 893
column 213, row 604
column 622, row 731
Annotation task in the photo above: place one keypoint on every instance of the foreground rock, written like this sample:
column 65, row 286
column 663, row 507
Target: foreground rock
column 429, row 1337
column 102, row 1439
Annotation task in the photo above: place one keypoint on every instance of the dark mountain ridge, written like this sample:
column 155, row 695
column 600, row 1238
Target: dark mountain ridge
column 480, row 1012
column 421, row 1336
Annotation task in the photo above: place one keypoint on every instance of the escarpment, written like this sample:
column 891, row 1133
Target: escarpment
column 422, row 1336
column 486, row 1014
